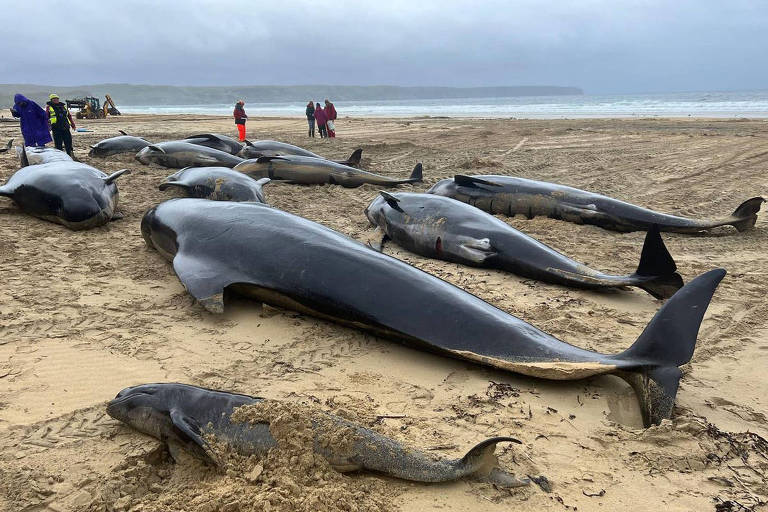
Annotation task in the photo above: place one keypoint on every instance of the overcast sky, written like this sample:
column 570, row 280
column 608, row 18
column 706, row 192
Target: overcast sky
column 603, row 46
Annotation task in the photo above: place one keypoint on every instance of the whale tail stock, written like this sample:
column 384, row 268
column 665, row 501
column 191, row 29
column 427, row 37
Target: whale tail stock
column 657, row 264
column 666, row 343
column 745, row 216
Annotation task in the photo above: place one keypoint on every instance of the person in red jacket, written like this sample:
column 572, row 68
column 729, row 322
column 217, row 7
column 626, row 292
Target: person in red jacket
column 330, row 113
column 321, row 119
column 240, row 117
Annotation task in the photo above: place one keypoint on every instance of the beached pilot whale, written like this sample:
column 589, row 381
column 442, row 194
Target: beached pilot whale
column 216, row 183
column 216, row 141
column 183, row 416
column 70, row 193
column 181, row 154
column 305, row 170
column 40, row 155
column 510, row 196
column 291, row 262
column 443, row 228
column 274, row 148
column 116, row 145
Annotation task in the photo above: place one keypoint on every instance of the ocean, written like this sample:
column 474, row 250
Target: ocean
column 688, row 104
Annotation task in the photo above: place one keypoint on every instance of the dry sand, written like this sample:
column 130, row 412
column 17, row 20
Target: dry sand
column 84, row 314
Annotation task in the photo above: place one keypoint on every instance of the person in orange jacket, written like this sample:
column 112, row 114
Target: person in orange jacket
column 240, row 117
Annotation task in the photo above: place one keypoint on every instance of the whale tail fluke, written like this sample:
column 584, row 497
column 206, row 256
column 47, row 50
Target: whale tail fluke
column 667, row 342
column 745, row 216
column 417, row 173
column 657, row 264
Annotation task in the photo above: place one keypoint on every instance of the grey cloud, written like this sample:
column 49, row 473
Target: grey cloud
column 600, row 45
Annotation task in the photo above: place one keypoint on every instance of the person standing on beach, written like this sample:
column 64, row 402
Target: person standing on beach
column 330, row 114
column 311, row 118
column 34, row 121
column 60, row 121
column 321, row 120
column 240, row 117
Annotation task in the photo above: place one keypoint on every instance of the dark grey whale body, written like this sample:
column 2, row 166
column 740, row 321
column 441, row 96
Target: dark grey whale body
column 183, row 415
column 117, row 145
column 510, row 196
column 305, row 170
column 70, row 193
column 291, row 262
column 275, row 148
column 180, row 154
column 216, row 183
column 216, row 141
column 443, row 228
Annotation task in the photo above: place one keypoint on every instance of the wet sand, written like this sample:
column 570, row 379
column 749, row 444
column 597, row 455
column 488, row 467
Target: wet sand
column 84, row 314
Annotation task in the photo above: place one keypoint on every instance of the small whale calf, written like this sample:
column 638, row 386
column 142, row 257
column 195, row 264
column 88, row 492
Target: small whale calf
column 287, row 261
column 216, row 183
column 117, row 145
column 305, row 170
column 510, row 196
column 185, row 416
column 443, row 228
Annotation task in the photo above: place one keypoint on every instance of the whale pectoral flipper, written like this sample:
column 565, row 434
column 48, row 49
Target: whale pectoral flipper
column 122, row 132
column 112, row 177
column 10, row 144
column 391, row 200
column 188, row 431
column 476, row 250
column 204, row 283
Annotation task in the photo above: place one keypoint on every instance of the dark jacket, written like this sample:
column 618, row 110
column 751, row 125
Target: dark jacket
column 60, row 118
column 34, row 121
column 320, row 117
column 239, row 114
column 311, row 112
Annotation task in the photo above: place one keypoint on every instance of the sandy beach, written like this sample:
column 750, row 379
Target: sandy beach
column 85, row 314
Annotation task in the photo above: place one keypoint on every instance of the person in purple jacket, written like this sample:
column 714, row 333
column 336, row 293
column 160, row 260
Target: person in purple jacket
column 321, row 119
column 34, row 121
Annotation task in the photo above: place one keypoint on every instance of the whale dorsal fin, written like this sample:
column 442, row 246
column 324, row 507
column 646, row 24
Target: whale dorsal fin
column 391, row 200
column 156, row 148
column 248, row 143
column 471, row 181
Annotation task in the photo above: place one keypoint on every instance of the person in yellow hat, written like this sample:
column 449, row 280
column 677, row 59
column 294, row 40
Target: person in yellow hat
column 60, row 121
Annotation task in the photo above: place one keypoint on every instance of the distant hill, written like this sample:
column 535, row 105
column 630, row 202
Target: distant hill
column 127, row 94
